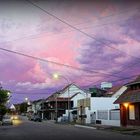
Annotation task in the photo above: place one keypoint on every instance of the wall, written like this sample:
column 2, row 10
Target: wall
column 102, row 103
column 78, row 97
column 73, row 89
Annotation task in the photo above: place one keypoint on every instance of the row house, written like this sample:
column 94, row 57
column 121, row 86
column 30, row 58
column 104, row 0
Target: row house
column 130, row 104
column 37, row 107
column 58, row 104
column 100, row 107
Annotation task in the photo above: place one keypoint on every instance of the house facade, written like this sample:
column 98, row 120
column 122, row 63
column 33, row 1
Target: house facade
column 98, row 110
column 64, row 102
column 37, row 107
column 56, row 106
column 130, row 104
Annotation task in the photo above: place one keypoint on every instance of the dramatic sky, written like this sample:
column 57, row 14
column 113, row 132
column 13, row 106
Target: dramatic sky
column 107, row 49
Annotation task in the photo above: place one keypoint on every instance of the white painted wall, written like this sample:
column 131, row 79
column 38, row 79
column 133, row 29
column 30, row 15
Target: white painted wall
column 73, row 89
column 102, row 103
column 111, row 122
column 78, row 97
column 87, row 112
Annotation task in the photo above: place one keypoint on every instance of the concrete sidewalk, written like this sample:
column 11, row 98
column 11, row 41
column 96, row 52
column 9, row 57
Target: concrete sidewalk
column 123, row 130
column 84, row 126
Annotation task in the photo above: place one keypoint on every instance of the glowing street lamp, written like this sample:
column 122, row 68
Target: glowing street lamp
column 26, row 99
column 8, row 93
column 56, row 76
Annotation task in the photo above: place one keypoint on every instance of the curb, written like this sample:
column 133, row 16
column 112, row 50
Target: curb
column 83, row 126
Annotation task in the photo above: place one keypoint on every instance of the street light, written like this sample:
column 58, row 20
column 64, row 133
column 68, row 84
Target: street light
column 57, row 76
column 26, row 99
column 8, row 93
column 26, row 103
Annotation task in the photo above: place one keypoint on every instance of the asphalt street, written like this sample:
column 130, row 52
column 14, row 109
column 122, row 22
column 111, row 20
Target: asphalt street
column 28, row 130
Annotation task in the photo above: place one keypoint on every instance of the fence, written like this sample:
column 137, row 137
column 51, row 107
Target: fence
column 108, row 115
column 114, row 115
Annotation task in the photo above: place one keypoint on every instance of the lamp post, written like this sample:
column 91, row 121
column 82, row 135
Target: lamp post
column 26, row 99
column 26, row 103
column 57, row 76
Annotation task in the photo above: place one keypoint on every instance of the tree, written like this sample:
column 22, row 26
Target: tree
column 23, row 107
column 4, row 97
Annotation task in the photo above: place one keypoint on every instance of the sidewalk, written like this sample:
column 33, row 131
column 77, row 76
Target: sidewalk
column 123, row 130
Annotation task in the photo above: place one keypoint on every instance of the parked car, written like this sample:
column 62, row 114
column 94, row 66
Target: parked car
column 35, row 118
column 7, row 120
column 31, row 118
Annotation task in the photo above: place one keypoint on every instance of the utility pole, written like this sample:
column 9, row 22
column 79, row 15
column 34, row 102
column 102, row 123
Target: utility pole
column 56, row 107
column 68, row 105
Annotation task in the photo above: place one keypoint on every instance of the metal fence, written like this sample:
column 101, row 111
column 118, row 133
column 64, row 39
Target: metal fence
column 102, row 115
column 108, row 115
column 114, row 115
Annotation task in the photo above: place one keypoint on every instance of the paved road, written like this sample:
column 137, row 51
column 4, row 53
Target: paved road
column 27, row 130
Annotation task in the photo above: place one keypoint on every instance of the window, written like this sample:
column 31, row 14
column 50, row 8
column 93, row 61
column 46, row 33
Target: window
column 131, row 112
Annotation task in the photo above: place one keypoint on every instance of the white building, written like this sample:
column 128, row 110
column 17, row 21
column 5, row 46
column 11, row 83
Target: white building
column 74, row 93
column 101, row 110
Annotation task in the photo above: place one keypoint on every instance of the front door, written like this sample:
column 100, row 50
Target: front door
column 123, row 113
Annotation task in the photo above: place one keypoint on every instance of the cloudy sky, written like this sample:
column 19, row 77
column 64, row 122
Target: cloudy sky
column 99, row 39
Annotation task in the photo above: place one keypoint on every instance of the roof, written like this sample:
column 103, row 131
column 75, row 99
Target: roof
column 97, row 92
column 113, row 90
column 68, row 86
column 131, row 96
column 58, row 99
column 65, row 88
column 37, row 101
column 59, row 91
column 53, row 98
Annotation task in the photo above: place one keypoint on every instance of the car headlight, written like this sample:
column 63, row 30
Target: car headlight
column 15, row 117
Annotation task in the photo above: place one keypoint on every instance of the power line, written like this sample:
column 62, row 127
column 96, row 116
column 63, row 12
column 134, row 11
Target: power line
column 60, row 64
column 87, row 27
column 33, row 36
column 124, row 69
column 75, row 28
column 51, row 34
column 102, row 18
column 80, row 69
column 118, row 80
